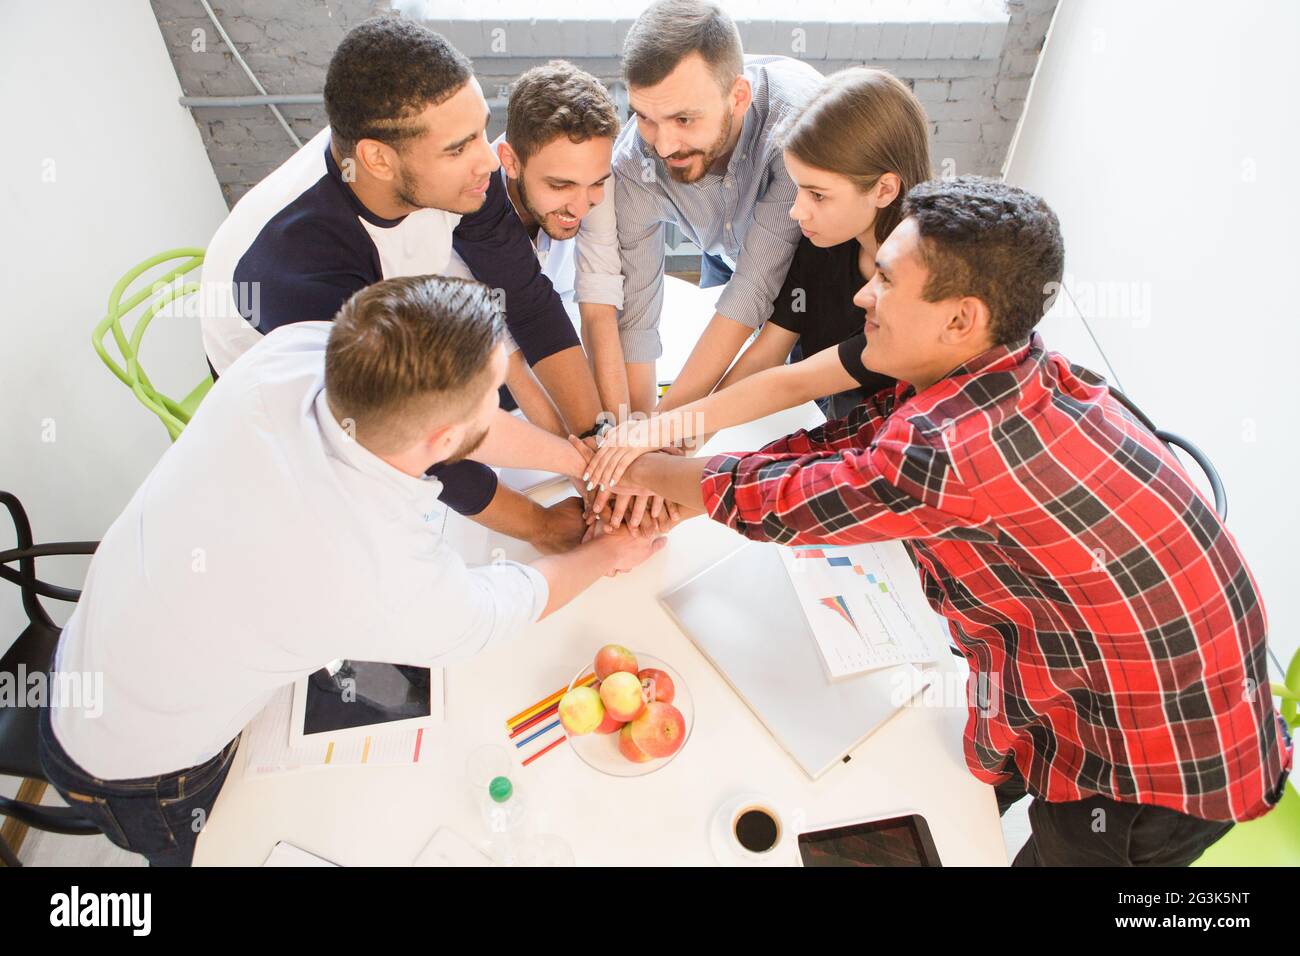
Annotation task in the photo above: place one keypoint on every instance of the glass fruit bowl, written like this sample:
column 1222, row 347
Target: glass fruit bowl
column 601, row 751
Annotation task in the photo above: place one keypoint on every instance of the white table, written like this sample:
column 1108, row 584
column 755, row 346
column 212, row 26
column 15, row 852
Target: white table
column 385, row 815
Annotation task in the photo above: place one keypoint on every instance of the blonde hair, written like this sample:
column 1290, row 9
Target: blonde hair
column 861, row 124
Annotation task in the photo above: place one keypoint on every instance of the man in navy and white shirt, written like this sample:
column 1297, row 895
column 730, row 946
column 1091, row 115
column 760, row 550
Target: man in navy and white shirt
column 401, row 177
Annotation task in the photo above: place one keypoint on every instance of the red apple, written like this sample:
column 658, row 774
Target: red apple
column 628, row 748
column 581, row 711
column 609, row 725
column 659, row 731
column 613, row 658
column 620, row 692
column 658, row 685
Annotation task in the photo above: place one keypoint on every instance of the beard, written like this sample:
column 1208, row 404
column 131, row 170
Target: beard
column 467, row 448
column 542, row 219
column 409, row 192
column 687, row 174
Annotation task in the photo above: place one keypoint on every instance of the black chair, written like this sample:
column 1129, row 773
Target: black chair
column 34, row 652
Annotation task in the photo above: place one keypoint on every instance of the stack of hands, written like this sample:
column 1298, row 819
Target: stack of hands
column 611, row 503
column 613, row 500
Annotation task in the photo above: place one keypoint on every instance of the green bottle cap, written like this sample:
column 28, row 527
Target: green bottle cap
column 500, row 789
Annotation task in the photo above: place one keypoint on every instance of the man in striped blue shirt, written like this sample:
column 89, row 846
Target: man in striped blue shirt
column 703, row 155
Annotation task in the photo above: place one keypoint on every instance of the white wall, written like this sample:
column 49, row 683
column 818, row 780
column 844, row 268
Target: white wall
column 89, row 99
column 1164, row 134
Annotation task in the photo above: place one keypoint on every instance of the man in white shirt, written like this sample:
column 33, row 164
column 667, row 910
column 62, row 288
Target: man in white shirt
column 289, row 526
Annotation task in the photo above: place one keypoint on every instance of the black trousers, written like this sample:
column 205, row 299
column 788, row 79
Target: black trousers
column 1099, row 831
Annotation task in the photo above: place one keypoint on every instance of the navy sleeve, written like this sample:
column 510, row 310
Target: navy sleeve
column 496, row 247
column 303, row 266
column 467, row 486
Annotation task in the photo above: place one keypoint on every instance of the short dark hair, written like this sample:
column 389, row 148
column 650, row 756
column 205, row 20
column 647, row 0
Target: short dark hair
column 999, row 243
column 669, row 30
column 406, row 349
column 383, row 74
column 557, row 99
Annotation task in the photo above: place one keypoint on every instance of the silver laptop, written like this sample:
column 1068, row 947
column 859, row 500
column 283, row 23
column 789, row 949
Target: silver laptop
column 743, row 615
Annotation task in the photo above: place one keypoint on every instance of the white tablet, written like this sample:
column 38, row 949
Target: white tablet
column 363, row 699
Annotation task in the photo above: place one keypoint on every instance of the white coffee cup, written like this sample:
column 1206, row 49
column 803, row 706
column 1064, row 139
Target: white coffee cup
column 750, row 830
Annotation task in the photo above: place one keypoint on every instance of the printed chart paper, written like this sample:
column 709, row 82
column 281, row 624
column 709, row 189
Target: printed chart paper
column 864, row 605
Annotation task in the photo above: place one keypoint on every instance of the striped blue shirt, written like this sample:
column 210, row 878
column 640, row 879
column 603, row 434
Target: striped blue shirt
column 741, row 215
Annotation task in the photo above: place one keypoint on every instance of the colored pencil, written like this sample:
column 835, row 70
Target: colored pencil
column 548, row 701
column 551, row 746
column 541, row 705
column 534, row 721
column 537, row 733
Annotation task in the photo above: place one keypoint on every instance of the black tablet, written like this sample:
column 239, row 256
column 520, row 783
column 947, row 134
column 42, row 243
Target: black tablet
column 890, row 841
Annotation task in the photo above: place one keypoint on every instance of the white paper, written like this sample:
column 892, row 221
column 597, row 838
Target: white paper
column 286, row 854
column 864, row 606
column 269, row 749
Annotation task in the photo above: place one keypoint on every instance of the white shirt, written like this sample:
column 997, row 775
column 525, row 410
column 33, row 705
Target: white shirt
column 298, row 224
column 264, row 544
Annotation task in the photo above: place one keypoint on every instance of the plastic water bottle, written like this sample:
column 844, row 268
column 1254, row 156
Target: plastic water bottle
column 503, row 812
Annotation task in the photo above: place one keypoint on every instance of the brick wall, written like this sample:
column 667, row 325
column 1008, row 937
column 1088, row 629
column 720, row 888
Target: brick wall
column 971, row 72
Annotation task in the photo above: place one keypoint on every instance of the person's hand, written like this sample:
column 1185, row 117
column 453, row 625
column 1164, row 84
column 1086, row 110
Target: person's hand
column 649, row 514
column 574, row 468
column 620, row 446
column 584, row 449
column 663, row 515
column 563, row 527
column 628, row 550
column 625, row 495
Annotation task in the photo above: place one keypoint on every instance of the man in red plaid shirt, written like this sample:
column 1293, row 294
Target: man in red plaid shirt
column 1083, row 576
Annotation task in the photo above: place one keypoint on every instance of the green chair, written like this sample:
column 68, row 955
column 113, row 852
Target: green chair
column 1273, row 839
column 163, row 290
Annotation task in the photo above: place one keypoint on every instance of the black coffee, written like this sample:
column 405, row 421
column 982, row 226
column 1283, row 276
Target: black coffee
column 756, row 831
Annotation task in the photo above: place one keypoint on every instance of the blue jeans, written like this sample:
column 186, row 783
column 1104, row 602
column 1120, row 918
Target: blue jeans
column 841, row 403
column 714, row 271
column 158, row 817
column 833, row 406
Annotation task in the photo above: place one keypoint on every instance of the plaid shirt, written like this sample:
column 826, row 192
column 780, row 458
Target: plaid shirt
column 1094, row 593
